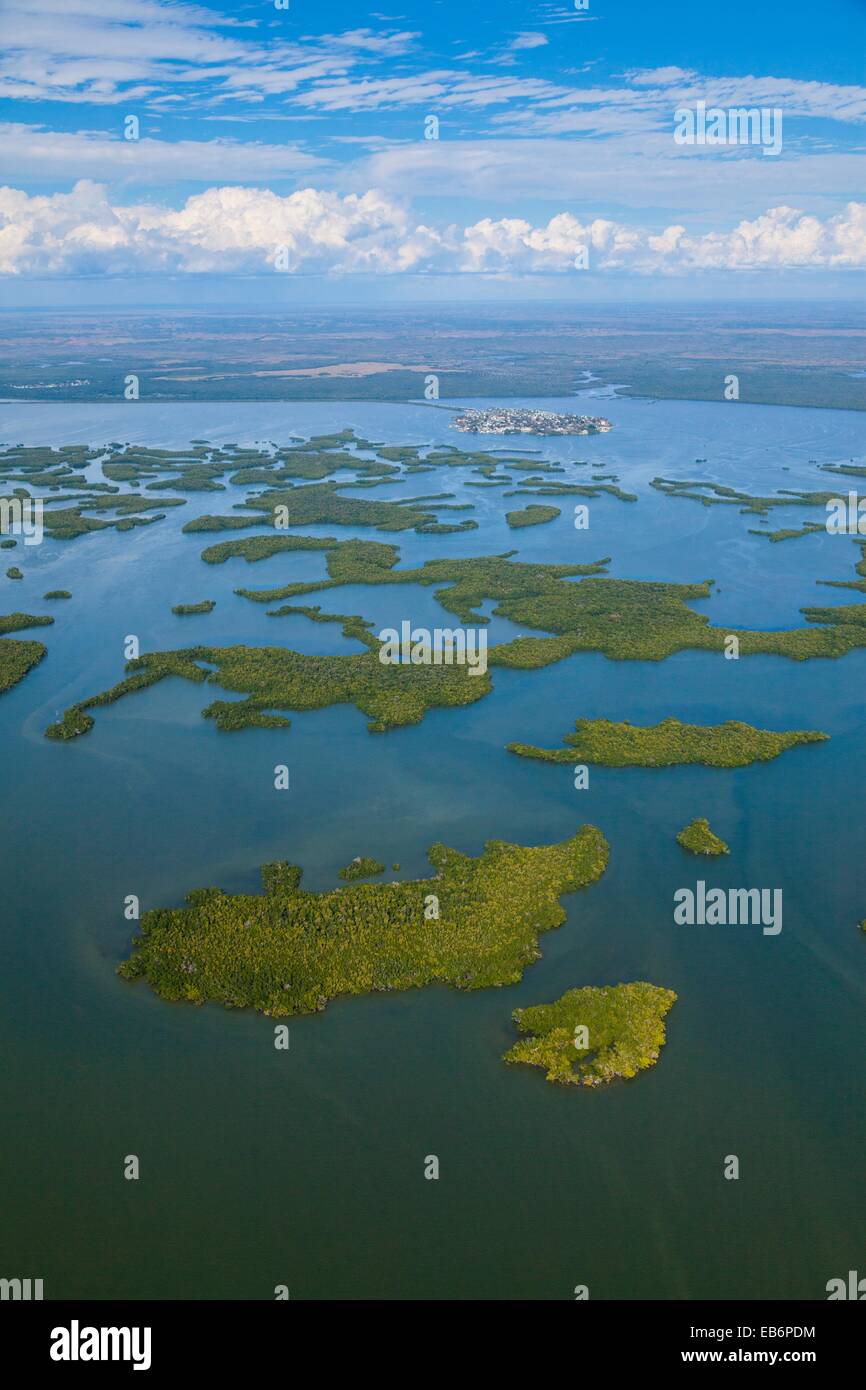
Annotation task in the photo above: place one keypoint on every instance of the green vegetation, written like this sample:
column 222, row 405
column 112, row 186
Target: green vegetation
column 17, row 658
column 146, row 672
column 44, row 468
column 66, row 523
column 474, row 925
column 789, row 533
column 71, row 513
column 860, row 568
column 277, row 678
column 252, row 548
column 848, row 470
column 637, row 620
column 668, row 744
column 232, row 715
column 532, row 516
column 557, row 489
column 184, row 610
column 629, row 620
column 698, row 838
column 469, row 582
column 73, row 723
column 126, row 472
column 625, row 1032
column 362, row 868
column 352, row 624
column 14, row 622
column 322, row 504
column 852, row 614
column 14, row 573
column 190, row 482
column 223, row 523
column 626, row 619
column 720, row 495
column 57, row 593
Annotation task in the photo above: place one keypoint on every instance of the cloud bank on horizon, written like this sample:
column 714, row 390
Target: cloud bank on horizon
column 534, row 139
column 234, row 230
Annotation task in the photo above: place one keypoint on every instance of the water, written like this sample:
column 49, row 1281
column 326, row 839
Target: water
column 305, row 1167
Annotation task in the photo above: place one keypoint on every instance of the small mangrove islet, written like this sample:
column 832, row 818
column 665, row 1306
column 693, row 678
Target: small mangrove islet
column 362, row 867
column 557, row 489
column 532, row 516
column 668, row 744
column 184, row 610
column 790, row 533
column 718, row 494
column 698, row 838
column 594, row 1035
column 474, row 925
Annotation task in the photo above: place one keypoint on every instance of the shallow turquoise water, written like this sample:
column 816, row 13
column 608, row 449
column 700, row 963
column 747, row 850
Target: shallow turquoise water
column 306, row 1168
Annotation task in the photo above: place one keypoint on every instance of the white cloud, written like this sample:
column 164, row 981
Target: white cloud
column 365, row 40
column 230, row 230
column 514, row 244
column 102, row 52
column 32, row 151
column 529, row 41
column 616, row 173
column 782, row 238
column 659, row 77
column 446, row 87
column 223, row 230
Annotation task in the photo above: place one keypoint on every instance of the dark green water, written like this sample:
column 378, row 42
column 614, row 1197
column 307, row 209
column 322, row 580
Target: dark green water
column 305, row 1167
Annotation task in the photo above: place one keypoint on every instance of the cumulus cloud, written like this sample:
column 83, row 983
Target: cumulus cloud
column 514, row 244
column 223, row 230
column 781, row 238
column 231, row 230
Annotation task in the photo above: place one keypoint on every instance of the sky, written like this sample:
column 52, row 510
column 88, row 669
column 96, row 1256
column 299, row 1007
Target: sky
column 306, row 152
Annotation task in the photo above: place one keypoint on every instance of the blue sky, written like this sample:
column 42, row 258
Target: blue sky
column 290, row 143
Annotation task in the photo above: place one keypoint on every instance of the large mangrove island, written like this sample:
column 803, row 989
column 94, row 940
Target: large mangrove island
column 474, row 924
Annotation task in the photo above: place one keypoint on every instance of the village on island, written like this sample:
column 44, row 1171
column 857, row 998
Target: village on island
column 514, row 420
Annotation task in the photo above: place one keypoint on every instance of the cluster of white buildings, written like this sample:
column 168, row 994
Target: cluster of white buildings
column 510, row 420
